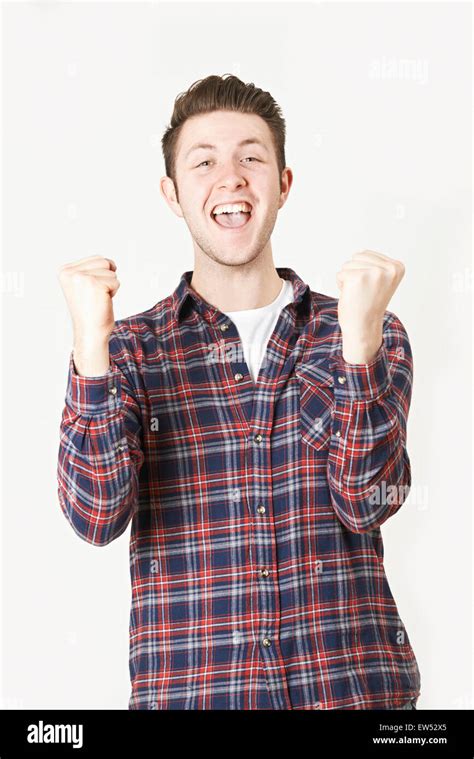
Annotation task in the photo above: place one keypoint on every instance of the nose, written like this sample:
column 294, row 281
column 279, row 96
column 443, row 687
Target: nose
column 232, row 176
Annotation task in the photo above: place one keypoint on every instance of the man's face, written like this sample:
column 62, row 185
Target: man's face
column 224, row 174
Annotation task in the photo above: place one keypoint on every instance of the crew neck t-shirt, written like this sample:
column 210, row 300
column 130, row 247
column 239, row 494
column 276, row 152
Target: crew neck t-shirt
column 255, row 327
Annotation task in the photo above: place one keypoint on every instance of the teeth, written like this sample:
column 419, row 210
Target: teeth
column 232, row 208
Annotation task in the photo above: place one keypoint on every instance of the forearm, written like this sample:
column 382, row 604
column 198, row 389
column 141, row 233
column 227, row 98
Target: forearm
column 361, row 348
column 91, row 356
column 97, row 474
column 101, row 449
column 368, row 465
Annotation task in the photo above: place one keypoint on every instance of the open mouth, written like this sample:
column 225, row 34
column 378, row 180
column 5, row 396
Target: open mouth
column 232, row 220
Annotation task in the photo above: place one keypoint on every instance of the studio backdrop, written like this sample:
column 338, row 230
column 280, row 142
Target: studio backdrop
column 377, row 101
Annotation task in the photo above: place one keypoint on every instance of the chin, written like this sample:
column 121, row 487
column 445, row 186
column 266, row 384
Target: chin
column 237, row 257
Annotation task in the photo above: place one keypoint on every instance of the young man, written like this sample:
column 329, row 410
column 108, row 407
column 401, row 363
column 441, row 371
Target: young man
column 254, row 434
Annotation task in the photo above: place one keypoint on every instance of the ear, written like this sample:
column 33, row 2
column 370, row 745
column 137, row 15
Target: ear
column 286, row 182
column 168, row 192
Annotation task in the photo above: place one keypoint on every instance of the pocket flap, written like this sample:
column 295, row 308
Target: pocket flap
column 316, row 404
column 315, row 374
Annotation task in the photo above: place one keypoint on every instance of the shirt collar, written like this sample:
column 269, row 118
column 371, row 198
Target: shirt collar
column 185, row 294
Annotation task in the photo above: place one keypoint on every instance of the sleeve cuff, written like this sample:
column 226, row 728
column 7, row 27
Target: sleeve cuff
column 94, row 395
column 361, row 381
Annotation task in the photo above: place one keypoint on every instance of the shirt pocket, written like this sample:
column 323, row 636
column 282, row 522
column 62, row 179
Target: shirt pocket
column 316, row 396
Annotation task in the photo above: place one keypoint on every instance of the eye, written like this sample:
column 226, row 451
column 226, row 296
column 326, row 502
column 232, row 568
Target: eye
column 249, row 158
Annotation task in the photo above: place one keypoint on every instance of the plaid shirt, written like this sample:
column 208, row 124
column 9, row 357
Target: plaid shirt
column 256, row 556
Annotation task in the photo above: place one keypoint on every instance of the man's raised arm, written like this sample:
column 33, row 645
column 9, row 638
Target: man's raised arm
column 100, row 451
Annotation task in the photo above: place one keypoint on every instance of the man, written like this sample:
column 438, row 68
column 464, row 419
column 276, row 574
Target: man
column 253, row 432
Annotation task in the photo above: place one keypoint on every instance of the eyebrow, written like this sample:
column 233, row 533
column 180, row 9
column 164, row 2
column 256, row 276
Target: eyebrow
column 207, row 146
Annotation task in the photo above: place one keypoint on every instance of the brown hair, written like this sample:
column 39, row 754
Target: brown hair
column 223, row 93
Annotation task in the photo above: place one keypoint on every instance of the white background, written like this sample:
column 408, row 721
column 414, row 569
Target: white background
column 377, row 99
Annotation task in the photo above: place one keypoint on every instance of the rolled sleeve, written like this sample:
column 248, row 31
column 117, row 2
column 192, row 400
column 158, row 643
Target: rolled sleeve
column 88, row 396
column 365, row 382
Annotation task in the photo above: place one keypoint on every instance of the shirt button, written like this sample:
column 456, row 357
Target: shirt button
column 341, row 380
column 238, row 376
column 113, row 390
column 119, row 447
column 267, row 642
column 261, row 509
column 338, row 433
column 224, row 327
column 264, row 572
column 258, row 438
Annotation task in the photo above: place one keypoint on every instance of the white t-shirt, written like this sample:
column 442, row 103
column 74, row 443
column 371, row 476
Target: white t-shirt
column 255, row 327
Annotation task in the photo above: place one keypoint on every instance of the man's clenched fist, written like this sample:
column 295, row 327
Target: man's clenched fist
column 89, row 286
column 367, row 283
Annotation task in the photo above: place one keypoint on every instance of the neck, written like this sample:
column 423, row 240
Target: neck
column 236, row 288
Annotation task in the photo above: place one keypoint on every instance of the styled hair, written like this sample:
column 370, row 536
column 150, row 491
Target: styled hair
column 223, row 93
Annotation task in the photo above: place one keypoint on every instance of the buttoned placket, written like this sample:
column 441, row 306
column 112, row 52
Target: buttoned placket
column 258, row 449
